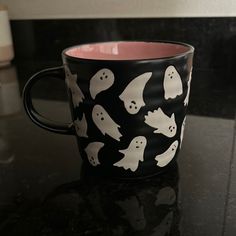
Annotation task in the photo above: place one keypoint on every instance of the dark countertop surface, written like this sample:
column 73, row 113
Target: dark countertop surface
column 46, row 190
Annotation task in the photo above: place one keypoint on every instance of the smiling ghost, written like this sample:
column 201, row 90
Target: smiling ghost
column 133, row 154
column 132, row 96
column 172, row 83
column 164, row 158
column 81, row 127
column 76, row 93
column 101, row 81
column 162, row 123
column 188, row 89
column 105, row 123
column 92, row 151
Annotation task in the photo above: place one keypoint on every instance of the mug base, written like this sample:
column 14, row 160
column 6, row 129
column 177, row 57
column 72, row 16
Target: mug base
column 90, row 171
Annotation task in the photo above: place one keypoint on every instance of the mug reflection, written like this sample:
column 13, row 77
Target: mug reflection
column 98, row 206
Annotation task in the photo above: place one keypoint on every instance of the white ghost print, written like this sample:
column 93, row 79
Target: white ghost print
column 101, row 81
column 166, row 196
column 133, row 212
column 81, row 127
column 132, row 96
column 92, row 151
column 172, row 83
column 133, row 154
column 164, row 158
column 182, row 132
column 76, row 93
column 163, row 229
column 105, row 123
column 188, row 89
column 162, row 123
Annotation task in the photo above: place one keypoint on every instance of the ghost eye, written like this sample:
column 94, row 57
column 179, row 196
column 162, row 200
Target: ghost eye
column 172, row 72
column 130, row 106
column 101, row 78
column 168, row 74
column 101, row 113
column 103, row 73
column 141, row 142
column 106, row 76
column 97, row 114
column 136, row 142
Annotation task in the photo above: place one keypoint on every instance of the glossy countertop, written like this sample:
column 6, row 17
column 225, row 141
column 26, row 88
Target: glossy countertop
column 46, row 189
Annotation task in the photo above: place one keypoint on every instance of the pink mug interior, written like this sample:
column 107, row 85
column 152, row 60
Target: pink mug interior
column 128, row 50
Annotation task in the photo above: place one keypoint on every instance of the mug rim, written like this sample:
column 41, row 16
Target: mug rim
column 190, row 49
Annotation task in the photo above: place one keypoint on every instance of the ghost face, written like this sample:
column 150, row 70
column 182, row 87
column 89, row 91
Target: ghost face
column 172, row 83
column 133, row 106
column 101, row 81
column 133, row 154
column 105, row 123
column 162, row 123
column 136, row 145
column 164, row 158
column 132, row 96
column 92, row 151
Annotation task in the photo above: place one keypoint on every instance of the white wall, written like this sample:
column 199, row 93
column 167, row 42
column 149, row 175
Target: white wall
column 49, row 9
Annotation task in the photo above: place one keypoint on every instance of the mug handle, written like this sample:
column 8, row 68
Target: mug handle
column 56, row 127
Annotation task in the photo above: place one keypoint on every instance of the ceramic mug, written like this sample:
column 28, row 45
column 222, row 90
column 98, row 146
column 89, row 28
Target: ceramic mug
column 128, row 103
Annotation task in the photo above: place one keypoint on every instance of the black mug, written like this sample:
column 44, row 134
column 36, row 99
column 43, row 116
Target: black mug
column 128, row 103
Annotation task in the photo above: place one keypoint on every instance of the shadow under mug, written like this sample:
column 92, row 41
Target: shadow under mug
column 128, row 103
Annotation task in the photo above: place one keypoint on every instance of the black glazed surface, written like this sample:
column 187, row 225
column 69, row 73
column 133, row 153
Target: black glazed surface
column 131, row 125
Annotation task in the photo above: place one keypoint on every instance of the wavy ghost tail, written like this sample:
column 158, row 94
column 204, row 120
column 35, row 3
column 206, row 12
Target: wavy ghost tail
column 162, row 123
